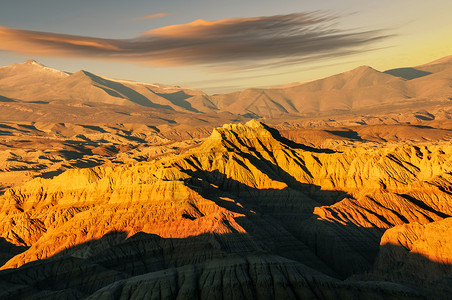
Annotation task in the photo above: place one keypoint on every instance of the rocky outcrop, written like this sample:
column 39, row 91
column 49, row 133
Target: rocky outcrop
column 420, row 250
column 245, row 189
column 418, row 255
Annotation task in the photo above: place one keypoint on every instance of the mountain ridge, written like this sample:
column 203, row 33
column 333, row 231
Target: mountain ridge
column 351, row 91
column 244, row 191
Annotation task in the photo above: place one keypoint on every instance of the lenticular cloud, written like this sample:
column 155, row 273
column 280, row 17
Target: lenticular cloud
column 259, row 41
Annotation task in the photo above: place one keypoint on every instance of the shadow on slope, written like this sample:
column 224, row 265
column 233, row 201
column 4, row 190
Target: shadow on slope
column 8, row 250
column 396, row 263
column 6, row 99
column 407, row 73
column 84, row 268
column 345, row 248
column 349, row 134
column 67, row 276
column 178, row 99
column 112, row 260
column 277, row 136
column 117, row 89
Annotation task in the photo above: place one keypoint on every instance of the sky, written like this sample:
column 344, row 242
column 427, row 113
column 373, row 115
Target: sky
column 223, row 46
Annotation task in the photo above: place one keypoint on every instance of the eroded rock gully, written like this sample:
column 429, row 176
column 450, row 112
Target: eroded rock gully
column 246, row 209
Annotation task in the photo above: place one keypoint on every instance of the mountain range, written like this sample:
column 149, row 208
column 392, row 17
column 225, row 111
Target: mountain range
column 359, row 90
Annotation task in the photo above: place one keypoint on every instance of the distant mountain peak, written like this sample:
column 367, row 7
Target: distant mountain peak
column 362, row 69
column 32, row 65
column 36, row 64
column 33, row 62
column 82, row 73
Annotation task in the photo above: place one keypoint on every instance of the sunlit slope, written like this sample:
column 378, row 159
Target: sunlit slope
column 359, row 90
column 237, row 179
column 31, row 81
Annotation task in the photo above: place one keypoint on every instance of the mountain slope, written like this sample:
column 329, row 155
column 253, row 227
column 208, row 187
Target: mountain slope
column 32, row 81
column 357, row 91
column 29, row 80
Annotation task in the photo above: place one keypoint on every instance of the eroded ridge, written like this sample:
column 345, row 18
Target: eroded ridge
column 244, row 190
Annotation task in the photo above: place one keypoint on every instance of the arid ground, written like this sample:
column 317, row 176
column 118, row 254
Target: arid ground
column 339, row 188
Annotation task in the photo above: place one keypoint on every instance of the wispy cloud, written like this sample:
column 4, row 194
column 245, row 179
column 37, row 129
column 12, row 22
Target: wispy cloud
column 251, row 42
column 151, row 17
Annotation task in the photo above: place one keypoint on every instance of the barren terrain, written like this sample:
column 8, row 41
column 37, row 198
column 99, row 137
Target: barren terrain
column 339, row 188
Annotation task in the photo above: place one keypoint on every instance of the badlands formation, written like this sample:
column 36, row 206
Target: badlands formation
column 112, row 189
column 246, row 214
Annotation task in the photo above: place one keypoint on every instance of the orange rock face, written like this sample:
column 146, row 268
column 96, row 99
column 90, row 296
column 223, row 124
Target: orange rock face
column 423, row 249
column 244, row 190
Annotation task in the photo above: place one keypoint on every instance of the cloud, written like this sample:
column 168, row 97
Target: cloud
column 251, row 42
column 151, row 17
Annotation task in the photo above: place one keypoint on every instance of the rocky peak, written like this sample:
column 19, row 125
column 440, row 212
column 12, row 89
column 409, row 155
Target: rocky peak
column 30, row 67
column 253, row 126
column 250, row 136
column 33, row 62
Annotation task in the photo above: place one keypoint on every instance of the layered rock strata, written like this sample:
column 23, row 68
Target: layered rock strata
column 245, row 190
